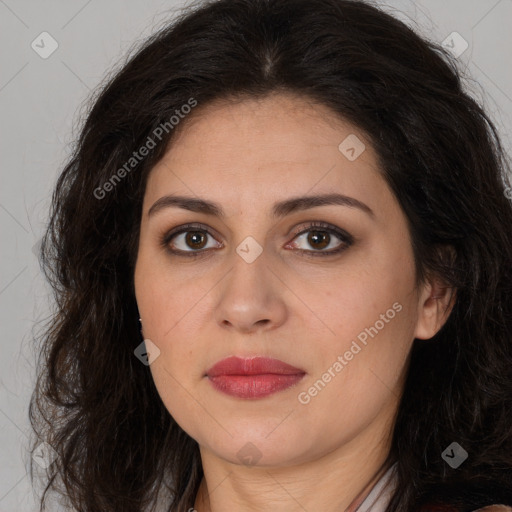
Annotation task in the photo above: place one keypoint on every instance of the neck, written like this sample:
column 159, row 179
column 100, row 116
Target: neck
column 366, row 491
column 339, row 481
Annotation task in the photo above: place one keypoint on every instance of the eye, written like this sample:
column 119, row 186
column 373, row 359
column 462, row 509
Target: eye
column 190, row 238
column 322, row 238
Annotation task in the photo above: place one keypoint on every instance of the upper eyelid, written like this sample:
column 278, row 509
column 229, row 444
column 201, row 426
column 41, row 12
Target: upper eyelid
column 304, row 227
column 178, row 230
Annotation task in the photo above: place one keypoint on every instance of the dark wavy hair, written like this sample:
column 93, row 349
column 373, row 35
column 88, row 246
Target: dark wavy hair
column 117, row 446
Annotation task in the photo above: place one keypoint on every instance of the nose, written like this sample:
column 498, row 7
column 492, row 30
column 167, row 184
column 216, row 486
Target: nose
column 250, row 297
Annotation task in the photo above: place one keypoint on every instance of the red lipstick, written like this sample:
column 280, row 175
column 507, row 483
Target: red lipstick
column 254, row 377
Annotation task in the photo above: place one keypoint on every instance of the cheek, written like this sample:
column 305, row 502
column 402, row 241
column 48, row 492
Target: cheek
column 166, row 306
column 361, row 294
column 178, row 395
column 165, row 296
column 172, row 326
column 369, row 309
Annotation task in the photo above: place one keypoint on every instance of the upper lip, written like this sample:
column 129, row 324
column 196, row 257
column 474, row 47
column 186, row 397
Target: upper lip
column 252, row 366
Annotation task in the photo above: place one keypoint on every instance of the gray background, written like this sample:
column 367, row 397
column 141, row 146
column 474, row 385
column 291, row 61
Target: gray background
column 40, row 101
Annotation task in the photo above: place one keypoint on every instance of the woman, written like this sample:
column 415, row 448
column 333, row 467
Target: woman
column 309, row 218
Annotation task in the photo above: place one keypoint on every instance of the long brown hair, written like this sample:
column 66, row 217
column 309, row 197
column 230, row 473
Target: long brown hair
column 95, row 403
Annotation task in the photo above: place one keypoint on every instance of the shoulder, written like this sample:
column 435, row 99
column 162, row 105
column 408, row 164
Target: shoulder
column 449, row 508
column 495, row 508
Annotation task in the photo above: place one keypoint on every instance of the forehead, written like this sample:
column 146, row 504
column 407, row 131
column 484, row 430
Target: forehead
column 279, row 145
column 276, row 120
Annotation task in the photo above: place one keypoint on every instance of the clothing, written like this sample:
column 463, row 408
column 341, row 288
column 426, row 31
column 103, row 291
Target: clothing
column 380, row 496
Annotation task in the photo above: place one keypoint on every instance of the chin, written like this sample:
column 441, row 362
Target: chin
column 262, row 447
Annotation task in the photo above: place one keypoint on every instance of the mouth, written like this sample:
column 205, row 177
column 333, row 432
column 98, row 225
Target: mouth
column 255, row 377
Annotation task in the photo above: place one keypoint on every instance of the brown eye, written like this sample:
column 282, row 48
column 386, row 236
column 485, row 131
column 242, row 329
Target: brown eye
column 322, row 242
column 319, row 239
column 195, row 239
column 189, row 240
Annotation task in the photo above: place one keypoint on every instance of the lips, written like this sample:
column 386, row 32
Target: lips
column 255, row 377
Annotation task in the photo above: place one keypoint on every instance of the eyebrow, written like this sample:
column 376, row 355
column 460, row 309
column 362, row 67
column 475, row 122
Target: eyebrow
column 280, row 209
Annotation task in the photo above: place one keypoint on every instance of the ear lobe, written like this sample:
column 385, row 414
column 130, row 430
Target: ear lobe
column 434, row 307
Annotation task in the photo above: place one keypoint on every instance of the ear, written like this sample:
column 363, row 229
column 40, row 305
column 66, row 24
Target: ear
column 435, row 303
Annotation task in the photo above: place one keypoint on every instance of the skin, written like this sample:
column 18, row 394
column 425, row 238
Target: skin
column 306, row 311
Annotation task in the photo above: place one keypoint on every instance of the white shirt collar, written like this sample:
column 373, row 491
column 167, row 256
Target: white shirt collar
column 381, row 493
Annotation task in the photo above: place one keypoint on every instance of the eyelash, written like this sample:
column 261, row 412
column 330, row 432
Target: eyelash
column 346, row 239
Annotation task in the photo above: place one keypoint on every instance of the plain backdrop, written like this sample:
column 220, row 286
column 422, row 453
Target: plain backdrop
column 40, row 100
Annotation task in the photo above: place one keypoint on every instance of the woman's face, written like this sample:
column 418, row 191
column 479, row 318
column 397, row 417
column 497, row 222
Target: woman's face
column 337, row 303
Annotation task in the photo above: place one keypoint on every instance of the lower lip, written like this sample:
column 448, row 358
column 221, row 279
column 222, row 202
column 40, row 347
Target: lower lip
column 254, row 386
